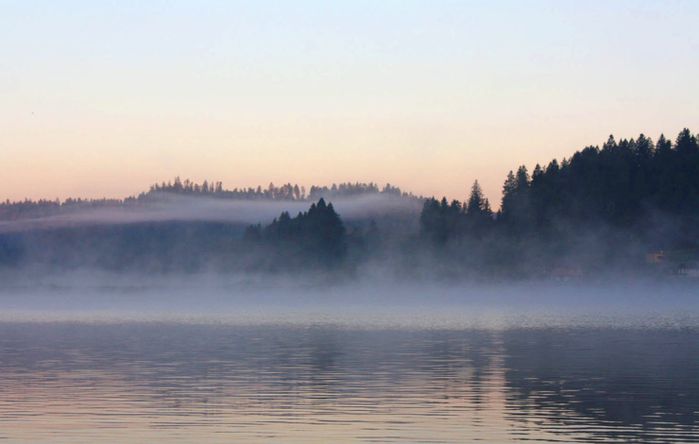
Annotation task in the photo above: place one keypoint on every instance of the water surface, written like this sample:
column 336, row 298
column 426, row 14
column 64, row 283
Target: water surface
column 132, row 381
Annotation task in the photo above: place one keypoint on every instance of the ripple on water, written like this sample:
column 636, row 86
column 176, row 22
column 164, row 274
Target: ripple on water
column 167, row 382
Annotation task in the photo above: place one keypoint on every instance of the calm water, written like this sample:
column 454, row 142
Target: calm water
column 188, row 382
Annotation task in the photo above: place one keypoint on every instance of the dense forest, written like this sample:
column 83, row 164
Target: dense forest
column 630, row 205
column 602, row 208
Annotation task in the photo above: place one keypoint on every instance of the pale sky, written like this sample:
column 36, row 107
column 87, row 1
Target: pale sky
column 103, row 98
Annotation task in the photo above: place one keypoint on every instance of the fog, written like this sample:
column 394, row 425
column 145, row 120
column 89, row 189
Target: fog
column 210, row 274
column 173, row 207
column 360, row 303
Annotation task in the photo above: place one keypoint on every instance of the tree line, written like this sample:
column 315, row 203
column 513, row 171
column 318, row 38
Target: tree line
column 598, row 207
column 623, row 184
column 603, row 208
column 291, row 192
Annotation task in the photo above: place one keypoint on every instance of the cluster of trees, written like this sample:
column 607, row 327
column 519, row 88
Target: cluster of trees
column 284, row 192
column 619, row 200
column 356, row 189
column 441, row 220
column 317, row 236
column 622, row 184
column 187, row 187
column 215, row 189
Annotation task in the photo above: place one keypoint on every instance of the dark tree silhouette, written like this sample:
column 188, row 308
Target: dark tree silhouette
column 602, row 206
column 313, row 238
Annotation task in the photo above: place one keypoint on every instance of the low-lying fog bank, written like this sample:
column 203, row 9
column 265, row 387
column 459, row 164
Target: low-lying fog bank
column 176, row 208
column 375, row 302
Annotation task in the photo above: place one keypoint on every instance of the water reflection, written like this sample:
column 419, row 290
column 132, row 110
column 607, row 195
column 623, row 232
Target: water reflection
column 138, row 382
column 631, row 384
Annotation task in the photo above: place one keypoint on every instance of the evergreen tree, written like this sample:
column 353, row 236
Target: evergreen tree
column 476, row 201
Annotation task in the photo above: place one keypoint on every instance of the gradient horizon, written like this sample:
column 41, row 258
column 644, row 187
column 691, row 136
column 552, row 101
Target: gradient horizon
column 103, row 100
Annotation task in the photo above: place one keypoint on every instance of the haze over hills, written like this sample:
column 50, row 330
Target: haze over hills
column 627, row 206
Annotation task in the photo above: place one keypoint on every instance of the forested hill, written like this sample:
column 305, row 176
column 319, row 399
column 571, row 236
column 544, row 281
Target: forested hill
column 630, row 184
column 622, row 183
column 613, row 204
column 605, row 208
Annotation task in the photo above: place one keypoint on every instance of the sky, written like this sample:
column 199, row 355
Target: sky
column 104, row 98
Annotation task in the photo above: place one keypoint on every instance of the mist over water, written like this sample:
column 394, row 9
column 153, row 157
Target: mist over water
column 370, row 302
column 101, row 357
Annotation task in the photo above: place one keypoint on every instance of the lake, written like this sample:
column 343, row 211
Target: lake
column 223, row 381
